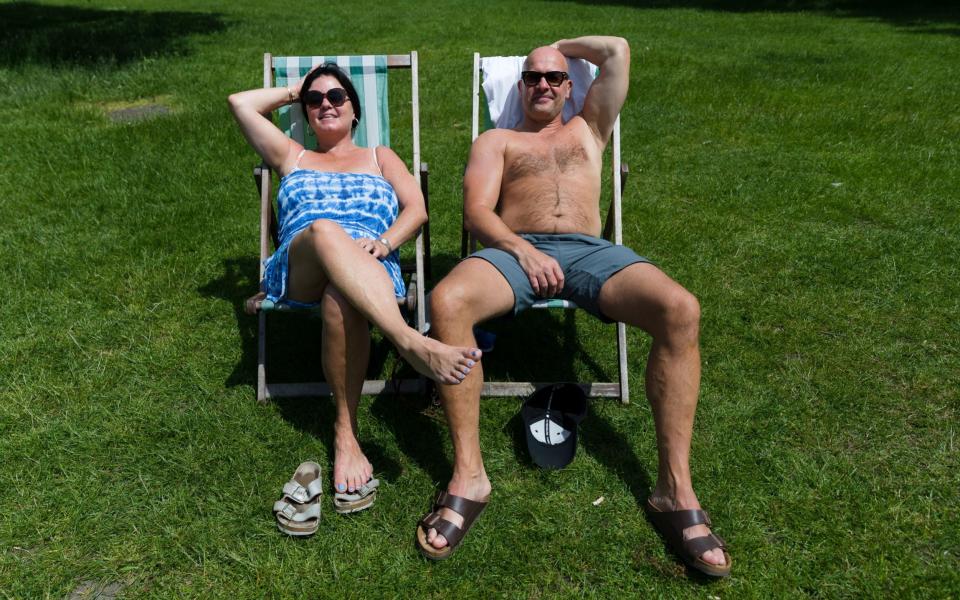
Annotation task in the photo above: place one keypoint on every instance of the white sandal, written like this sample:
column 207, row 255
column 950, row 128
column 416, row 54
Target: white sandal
column 350, row 502
column 298, row 511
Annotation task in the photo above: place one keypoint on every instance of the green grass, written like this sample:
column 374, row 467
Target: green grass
column 794, row 165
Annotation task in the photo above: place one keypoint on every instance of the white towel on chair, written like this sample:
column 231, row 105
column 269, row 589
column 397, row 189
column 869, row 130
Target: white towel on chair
column 500, row 77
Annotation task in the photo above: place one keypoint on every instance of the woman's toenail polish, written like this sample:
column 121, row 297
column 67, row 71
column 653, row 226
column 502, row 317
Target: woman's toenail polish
column 341, row 487
column 470, row 363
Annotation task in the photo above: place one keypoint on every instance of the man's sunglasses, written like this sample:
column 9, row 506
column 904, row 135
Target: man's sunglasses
column 336, row 97
column 554, row 78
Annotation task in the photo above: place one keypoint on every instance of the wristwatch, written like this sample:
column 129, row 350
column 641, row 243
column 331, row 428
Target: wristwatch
column 386, row 243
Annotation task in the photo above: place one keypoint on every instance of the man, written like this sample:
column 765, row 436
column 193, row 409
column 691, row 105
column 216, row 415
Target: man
column 532, row 197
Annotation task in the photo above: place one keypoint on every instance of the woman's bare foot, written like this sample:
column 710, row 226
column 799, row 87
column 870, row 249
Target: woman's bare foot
column 438, row 361
column 252, row 305
column 351, row 469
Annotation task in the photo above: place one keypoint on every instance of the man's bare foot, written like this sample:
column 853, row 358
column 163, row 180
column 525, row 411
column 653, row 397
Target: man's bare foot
column 666, row 504
column 252, row 305
column 351, row 469
column 471, row 489
column 438, row 361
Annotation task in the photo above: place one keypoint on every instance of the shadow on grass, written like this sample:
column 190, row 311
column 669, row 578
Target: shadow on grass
column 293, row 340
column 315, row 416
column 612, row 449
column 538, row 345
column 419, row 428
column 293, row 353
column 921, row 16
column 50, row 35
column 600, row 439
column 239, row 282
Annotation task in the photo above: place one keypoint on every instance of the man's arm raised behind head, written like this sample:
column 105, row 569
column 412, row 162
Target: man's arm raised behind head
column 609, row 89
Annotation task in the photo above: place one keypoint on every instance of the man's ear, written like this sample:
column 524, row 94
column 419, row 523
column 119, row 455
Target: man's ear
column 569, row 87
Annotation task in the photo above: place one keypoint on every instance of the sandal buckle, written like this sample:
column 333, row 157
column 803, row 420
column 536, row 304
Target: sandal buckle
column 299, row 494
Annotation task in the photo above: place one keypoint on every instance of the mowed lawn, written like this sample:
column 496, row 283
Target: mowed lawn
column 795, row 165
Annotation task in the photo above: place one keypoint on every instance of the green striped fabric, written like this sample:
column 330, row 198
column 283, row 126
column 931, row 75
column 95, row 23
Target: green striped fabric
column 368, row 74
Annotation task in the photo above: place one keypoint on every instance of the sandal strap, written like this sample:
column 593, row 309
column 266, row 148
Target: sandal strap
column 698, row 546
column 296, row 513
column 448, row 530
column 368, row 488
column 466, row 508
column 300, row 494
column 679, row 520
column 429, row 520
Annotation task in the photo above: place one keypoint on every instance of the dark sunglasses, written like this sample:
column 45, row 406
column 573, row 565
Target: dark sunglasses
column 554, row 78
column 336, row 97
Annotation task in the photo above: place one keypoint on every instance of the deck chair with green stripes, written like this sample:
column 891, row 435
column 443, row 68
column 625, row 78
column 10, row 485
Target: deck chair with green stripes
column 494, row 105
column 369, row 75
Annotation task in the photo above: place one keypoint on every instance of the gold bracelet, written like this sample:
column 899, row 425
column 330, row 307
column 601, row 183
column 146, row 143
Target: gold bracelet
column 291, row 95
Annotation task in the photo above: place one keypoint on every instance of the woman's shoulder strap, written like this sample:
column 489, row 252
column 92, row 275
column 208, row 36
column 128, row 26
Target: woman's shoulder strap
column 296, row 163
column 376, row 160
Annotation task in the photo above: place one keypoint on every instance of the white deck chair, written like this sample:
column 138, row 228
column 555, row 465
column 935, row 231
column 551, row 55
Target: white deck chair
column 497, row 111
column 369, row 75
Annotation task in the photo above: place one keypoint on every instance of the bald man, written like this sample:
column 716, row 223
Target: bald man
column 532, row 198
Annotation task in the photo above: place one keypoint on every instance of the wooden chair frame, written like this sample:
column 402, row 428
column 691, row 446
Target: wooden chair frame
column 612, row 230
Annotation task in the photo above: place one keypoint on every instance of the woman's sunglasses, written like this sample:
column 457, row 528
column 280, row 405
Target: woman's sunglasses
column 336, row 97
column 554, row 78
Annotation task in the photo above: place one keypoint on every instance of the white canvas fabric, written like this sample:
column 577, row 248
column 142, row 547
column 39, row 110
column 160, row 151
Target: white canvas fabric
column 500, row 77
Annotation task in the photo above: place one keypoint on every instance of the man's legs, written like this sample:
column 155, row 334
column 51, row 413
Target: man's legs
column 643, row 296
column 473, row 292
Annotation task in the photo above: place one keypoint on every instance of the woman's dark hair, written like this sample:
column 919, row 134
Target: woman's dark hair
column 332, row 70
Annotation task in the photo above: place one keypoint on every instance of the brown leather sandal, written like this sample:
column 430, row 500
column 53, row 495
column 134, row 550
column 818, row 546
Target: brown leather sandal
column 470, row 510
column 671, row 524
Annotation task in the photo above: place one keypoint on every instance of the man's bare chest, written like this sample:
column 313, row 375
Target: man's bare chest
column 560, row 159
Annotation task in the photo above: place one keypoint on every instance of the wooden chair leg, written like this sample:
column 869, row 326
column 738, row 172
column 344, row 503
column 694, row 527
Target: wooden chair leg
column 262, row 358
column 622, row 360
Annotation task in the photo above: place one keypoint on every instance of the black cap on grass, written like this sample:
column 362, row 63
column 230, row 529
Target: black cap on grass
column 550, row 418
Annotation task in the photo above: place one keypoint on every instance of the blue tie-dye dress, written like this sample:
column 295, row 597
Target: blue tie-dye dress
column 364, row 205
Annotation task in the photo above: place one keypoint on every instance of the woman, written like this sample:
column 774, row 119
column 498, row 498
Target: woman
column 339, row 229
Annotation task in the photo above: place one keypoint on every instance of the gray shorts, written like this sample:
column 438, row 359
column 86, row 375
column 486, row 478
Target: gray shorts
column 587, row 263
